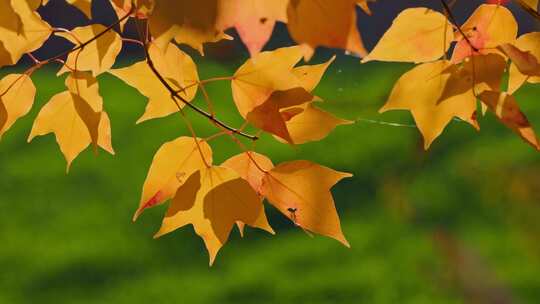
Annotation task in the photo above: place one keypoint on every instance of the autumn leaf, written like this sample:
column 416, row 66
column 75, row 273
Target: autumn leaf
column 98, row 56
column 21, row 31
column 88, row 103
column 176, row 66
column 269, row 117
column 173, row 163
column 325, row 23
column 260, row 76
column 312, row 124
column 416, row 35
column 213, row 200
column 254, row 20
column 507, row 110
column 488, row 27
column 437, row 92
column 17, row 94
column 301, row 191
column 60, row 116
column 520, row 73
column 252, row 167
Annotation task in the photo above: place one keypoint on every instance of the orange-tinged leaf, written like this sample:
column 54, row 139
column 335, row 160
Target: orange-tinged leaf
column 488, row 27
column 84, row 6
column 18, row 94
column 98, row 56
column 301, row 191
column 21, row 30
column 176, row 66
column 173, row 163
column 254, row 20
column 252, row 167
column 213, row 200
column 416, row 35
column 530, row 44
column 59, row 116
column 260, row 76
column 437, row 92
column 327, row 23
column 505, row 107
column 268, row 116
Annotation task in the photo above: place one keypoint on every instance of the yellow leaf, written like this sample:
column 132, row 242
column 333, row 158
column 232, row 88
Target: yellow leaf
column 260, row 76
column 185, row 21
column 312, row 124
column 84, row 6
column 252, row 167
column 88, row 103
column 173, row 163
column 327, row 23
column 437, row 92
column 174, row 65
column 309, row 76
column 268, row 116
column 59, row 116
column 98, row 56
column 488, row 27
column 529, row 43
column 254, row 20
column 21, row 31
column 17, row 97
column 416, row 35
column 301, row 191
column 212, row 200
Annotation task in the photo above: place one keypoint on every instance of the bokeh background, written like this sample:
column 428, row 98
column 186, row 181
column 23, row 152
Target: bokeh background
column 459, row 223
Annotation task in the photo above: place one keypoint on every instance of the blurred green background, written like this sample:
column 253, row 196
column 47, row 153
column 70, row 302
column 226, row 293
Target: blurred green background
column 459, row 223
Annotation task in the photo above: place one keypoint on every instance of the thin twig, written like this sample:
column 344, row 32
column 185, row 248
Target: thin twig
column 452, row 19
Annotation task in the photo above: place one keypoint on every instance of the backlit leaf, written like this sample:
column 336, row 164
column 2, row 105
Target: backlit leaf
column 212, row 200
column 98, row 56
column 301, row 191
column 173, row 163
column 416, row 35
column 17, row 94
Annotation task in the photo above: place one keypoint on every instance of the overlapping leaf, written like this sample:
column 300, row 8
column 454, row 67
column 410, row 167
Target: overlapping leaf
column 173, row 163
column 76, row 118
column 437, row 92
column 212, row 200
column 21, row 31
column 98, row 56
